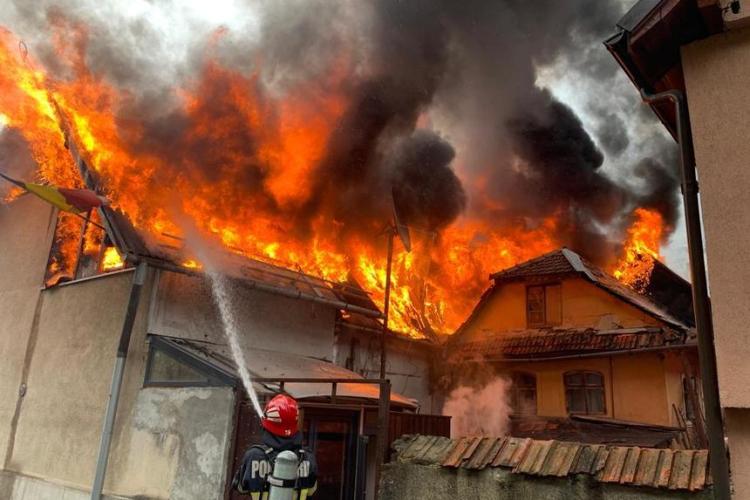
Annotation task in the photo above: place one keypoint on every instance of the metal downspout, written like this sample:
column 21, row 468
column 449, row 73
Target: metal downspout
column 114, row 392
column 701, row 302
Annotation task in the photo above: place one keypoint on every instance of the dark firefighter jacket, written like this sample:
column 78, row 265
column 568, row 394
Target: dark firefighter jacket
column 257, row 466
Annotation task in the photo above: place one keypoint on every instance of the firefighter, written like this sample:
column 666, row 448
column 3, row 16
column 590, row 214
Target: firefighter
column 280, row 433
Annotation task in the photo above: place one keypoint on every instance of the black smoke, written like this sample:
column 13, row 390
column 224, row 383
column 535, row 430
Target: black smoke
column 438, row 93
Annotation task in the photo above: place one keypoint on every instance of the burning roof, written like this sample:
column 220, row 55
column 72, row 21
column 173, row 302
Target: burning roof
column 290, row 150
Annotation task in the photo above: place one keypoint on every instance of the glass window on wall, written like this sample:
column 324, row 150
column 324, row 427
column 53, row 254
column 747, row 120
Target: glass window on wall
column 523, row 393
column 584, row 392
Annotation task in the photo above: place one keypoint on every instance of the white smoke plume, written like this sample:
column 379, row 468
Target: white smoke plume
column 479, row 411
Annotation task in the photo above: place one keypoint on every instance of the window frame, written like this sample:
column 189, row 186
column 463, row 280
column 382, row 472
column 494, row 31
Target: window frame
column 545, row 321
column 516, row 389
column 586, row 389
column 214, row 376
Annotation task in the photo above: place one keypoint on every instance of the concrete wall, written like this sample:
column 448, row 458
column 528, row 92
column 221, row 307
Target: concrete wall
column 403, row 481
column 583, row 306
column 25, row 235
column 638, row 387
column 717, row 79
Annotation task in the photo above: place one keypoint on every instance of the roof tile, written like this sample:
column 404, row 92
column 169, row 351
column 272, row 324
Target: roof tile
column 643, row 467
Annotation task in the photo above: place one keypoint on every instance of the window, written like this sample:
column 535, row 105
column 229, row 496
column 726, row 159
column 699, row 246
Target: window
column 523, row 393
column 172, row 364
column 584, row 392
column 544, row 305
column 80, row 249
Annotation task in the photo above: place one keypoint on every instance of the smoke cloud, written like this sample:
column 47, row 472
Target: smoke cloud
column 442, row 111
column 482, row 411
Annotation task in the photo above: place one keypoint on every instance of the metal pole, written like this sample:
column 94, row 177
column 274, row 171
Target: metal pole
column 701, row 302
column 381, row 448
column 386, row 303
column 114, row 392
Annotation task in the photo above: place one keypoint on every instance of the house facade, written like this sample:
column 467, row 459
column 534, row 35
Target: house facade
column 183, row 418
column 574, row 342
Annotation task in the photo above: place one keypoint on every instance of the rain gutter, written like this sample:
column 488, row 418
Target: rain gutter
column 117, row 375
column 701, row 302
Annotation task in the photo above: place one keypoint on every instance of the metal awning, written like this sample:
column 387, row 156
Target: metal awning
column 279, row 365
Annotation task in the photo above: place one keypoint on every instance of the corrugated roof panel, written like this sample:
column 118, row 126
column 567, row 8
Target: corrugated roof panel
column 453, row 459
column 480, row 457
column 647, row 468
column 698, row 474
column 665, row 468
column 681, row 469
column 643, row 467
column 631, row 464
column 614, row 465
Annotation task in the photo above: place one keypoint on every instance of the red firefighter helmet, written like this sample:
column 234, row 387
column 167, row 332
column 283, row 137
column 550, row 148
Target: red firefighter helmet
column 280, row 416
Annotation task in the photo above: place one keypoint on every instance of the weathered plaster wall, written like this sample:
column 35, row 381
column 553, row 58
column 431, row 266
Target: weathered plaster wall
column 403, row 481
column 717, row 77
column 184, row 308
column 584, row 305
column 175, row 444
column 25, row 232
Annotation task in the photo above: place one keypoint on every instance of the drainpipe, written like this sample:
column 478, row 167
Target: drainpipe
column 117, row 375
column 701, row 302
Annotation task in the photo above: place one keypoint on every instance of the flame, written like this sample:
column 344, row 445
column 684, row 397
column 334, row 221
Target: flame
column 112, row 259
column 433, row 288
column 641, row 249
column 192, row 264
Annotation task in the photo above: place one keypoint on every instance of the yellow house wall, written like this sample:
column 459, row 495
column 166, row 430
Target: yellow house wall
column 584, row 305
column 638, row 387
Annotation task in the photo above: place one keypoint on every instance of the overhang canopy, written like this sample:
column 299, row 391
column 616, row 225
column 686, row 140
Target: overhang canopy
column 272, row 364
column 647, row 44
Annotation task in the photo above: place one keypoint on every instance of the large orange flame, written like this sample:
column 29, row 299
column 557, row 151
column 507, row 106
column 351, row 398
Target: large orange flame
column 434, row 287
column 641, row 249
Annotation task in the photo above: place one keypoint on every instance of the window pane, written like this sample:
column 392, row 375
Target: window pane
column 526, row 404
column 595, row 400
column 574, row 379
column 535, row 305
column 553, row 303
column 576, row 400
column 594, row 379
column 165, row 368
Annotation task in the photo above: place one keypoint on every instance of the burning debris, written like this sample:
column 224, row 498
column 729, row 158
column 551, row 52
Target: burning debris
column 286, row 148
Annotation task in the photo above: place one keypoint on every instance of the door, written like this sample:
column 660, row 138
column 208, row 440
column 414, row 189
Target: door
column 331, row 434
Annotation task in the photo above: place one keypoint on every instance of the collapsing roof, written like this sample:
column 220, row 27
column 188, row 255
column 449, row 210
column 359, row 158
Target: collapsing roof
column 168, row 253
column 649, row 467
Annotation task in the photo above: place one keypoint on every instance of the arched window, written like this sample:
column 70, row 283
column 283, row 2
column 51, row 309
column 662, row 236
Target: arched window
column 523, row 393
column 584, row 392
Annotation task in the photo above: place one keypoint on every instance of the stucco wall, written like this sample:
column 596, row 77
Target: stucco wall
column 638, row 387
column 584, row 305
column 717, row 77
column 25, row 232
column 61, row 414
